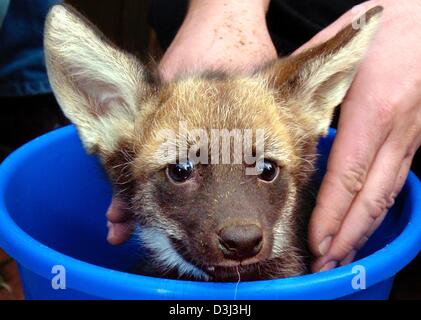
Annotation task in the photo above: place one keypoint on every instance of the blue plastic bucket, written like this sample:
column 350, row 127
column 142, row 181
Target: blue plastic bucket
column 53, row 199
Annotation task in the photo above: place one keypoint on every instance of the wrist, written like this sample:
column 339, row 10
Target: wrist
column 230, row 35
column 227, row 17
column 209, row 8
column 258, row 6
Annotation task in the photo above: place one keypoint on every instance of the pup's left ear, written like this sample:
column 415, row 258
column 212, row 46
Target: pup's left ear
column 312, row 83
column 99, row 87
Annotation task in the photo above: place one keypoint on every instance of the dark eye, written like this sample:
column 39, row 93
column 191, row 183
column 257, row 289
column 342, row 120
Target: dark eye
column 180, row 172
column 268, row 170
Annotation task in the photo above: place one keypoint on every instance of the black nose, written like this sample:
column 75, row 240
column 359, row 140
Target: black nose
column 239, row 242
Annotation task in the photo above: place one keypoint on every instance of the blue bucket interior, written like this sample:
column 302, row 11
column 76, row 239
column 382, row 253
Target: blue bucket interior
column 53, row 199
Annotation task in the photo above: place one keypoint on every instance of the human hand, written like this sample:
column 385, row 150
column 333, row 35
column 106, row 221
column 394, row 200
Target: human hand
column 216, row 35
column 378, row 134
column 220, row 35
column 119, row 223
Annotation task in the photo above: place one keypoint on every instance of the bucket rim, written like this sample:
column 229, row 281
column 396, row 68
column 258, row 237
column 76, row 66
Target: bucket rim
column 100, row 281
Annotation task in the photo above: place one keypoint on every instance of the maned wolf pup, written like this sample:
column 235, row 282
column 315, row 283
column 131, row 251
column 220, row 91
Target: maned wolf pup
column 198, row 217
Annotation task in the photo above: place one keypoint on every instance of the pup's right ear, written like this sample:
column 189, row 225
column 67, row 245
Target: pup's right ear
column 97, row 85
column 315, row 81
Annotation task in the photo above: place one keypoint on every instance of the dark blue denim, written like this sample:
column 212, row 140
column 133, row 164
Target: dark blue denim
column 22, row 65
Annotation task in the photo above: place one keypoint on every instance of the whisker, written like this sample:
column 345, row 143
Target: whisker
column 238, row 282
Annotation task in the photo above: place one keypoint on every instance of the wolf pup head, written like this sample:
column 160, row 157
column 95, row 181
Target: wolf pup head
column 215, row 168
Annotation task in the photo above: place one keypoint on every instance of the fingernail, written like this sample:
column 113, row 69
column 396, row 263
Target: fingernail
column 110, row 231
column 329, row 265
column 325, row 245
column 349, row 258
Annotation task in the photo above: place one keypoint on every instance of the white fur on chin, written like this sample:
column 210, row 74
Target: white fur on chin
column 163, row 252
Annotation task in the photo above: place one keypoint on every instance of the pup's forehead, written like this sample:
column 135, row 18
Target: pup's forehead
column 219, row 103
column 194, row 111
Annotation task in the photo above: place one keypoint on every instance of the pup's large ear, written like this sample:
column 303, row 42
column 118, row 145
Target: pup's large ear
column 98, row 86
column 312, row 83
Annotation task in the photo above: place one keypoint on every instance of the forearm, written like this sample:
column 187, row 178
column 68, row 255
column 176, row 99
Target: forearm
column 220, row 6
column 229, row 17
column 220, row 34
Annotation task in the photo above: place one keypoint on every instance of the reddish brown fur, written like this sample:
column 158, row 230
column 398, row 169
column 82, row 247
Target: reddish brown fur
column 121, row 116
